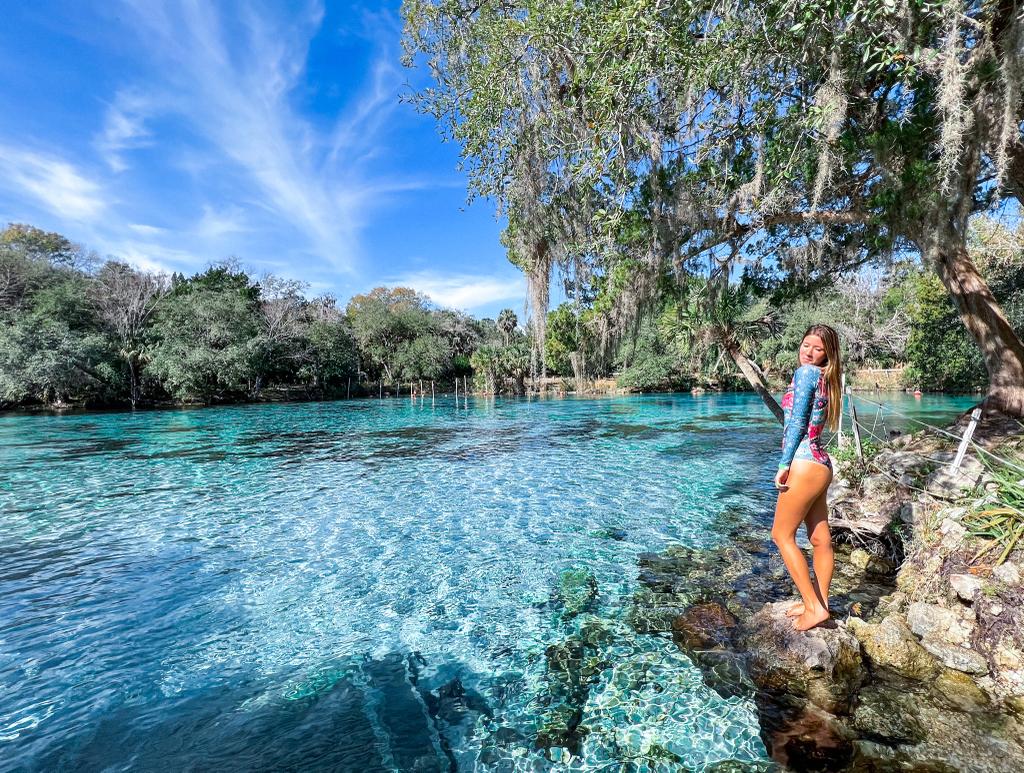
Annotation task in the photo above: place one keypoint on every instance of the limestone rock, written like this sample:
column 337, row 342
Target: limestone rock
column 1008, row 657
column 823, row 664
column 952, row 531
column 903, row 462
column 960, row 691
column 891, row 644
column 1007, row 573
column 577, row 590
column 938, row 623
column 876, row 486
column 862, row 559
column 965, row 585
column 958, row 658
column 887, row 715
column 943, row 483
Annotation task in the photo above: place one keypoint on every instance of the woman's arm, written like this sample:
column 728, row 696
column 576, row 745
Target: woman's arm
column 805, row 381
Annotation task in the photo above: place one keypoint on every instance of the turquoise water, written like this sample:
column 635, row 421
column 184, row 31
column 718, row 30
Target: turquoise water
column 363, row 585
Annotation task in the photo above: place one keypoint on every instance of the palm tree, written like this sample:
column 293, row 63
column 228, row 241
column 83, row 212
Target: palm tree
column 507, row 324
column 714, row 319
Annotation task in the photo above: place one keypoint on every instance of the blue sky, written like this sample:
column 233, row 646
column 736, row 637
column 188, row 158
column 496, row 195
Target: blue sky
column 175, row 133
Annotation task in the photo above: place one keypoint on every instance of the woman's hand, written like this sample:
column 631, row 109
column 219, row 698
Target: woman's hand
column 780, row 479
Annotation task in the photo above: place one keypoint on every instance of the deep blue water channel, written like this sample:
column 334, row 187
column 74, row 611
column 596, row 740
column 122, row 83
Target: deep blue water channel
column 362, row 585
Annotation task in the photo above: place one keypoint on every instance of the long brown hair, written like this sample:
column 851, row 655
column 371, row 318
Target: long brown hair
column 833, row 370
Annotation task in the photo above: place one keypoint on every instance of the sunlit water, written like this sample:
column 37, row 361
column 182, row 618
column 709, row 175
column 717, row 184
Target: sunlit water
column 362, row 585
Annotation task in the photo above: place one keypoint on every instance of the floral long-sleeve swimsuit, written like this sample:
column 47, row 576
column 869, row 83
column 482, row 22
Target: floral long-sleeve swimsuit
column 805, row 405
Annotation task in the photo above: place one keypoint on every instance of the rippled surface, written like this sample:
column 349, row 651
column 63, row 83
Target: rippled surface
column 361, row 585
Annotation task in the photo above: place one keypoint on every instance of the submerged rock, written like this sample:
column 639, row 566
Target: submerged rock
column 704, row 626
column 577, row 591
column 887, row 716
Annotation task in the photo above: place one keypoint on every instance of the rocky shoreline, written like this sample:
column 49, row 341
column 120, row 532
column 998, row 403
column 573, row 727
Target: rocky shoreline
column 921, row 668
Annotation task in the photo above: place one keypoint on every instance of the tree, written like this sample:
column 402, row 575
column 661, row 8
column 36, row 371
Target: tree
column 561, row 339
column 202, row 341
column 726, row 327
column 329, row 351
column 126, row 300
column 51, row 345
column 279, row 314
column 812, row 138
column 382, row 320
column 507, row 324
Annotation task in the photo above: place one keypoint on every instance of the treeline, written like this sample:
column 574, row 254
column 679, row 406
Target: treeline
column 896, row 316
column 75, row 329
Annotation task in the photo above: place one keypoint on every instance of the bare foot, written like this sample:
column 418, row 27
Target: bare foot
column 796, row 610
column 810, row 618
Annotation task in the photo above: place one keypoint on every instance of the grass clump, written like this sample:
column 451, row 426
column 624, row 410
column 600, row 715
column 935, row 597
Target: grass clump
column 998, row 518
column 855, row 469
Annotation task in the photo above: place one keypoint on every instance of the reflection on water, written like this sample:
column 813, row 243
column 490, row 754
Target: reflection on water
column 367, row 585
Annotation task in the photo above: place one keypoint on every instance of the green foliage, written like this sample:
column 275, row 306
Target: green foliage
column 999, row 518
column 855, row 468
column 940, row 353
column 646, row 362
column 561, row 339
column 203, row 342
column 632, row 141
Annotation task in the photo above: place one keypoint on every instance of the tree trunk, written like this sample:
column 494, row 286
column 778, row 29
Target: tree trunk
column 756, row 379
column 134, row 388
column 1000, row 346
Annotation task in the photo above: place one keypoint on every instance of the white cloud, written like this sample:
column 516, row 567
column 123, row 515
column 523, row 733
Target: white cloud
column 124, row 129
column 216, row 223
column 55, row 184
column 235, row 90
column 146, row 230
column 464, row 291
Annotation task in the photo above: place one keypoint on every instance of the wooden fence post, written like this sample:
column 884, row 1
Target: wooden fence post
column 856, row 429
column 966, row 439
column 842, row 393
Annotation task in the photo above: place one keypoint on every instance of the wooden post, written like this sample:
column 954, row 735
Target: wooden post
column 966, row 439
column 856, row 429
column 842, row 395
column 431, row 390
column 381, row 390
column 456, row 391
column 348, row 389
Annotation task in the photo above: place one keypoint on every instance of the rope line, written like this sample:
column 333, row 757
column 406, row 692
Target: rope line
column 926, row 425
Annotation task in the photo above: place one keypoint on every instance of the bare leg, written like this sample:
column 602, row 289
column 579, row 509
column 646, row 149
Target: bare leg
column 807, row 481
column 821, row 541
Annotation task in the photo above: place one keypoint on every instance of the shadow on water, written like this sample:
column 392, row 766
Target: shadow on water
column 96, row 448
column 368, row 715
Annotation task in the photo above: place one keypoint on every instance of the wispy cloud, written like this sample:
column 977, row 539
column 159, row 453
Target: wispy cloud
column 236, row 90
column 124, row 129
column 55, row 184
column 464, row 291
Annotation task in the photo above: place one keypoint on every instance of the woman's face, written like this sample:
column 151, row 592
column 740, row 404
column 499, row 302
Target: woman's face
column 812, row 351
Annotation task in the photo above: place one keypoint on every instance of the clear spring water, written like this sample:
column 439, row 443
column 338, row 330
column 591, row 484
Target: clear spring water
column 362, row 585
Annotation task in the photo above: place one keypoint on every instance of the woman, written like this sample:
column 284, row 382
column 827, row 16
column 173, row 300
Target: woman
column 812, row 400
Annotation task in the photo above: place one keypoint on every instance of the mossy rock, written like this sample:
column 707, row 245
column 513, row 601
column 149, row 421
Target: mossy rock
column 560, row 727
column 577, row 591
column 887, row 716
